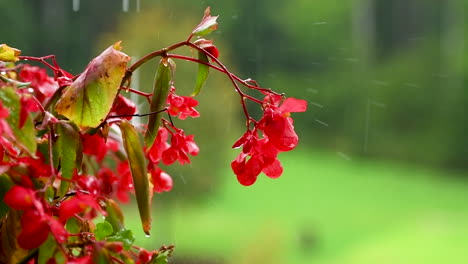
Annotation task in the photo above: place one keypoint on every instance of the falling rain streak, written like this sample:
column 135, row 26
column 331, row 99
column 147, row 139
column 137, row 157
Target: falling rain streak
column 76, row 5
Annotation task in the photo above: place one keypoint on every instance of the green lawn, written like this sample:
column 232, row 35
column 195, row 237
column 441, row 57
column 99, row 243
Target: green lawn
column 325, row 209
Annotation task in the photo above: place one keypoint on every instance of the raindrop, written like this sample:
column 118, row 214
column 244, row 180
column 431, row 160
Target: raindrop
column 76, row 5
column 147, row 235
column 31, row 90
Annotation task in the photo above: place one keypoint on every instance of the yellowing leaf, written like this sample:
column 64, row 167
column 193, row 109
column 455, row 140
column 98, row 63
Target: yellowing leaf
column 9, row 54
column 88, row 100
column 10, row 251
column 136, row 157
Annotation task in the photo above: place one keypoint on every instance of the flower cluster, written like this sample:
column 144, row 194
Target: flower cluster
column 181, row 106
column 178, row 150
column 260, row 154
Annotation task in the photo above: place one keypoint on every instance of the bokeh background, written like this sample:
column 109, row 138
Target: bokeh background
column 380, row 175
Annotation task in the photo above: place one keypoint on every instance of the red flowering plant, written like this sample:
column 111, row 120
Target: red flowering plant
column 69, row 152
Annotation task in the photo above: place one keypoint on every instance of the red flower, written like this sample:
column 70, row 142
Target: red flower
column 125, row 183
column 43, row 85
column 278, row 125
column 123, row 107
column 162, row 182
column 263, row 159
column 181, row 145
column 278, row 136
column 77, row 204
column 182, row 106
column 28, row 105
column 94, row 145
column 34, row 230
column 20, row 198
column 36, row 227
column 159, row 146
column 37, row 167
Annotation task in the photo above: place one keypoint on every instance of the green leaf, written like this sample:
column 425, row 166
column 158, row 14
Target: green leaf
column 136, row 157
column 26, row 135
column 202, row 75
column 47, row 250
column 158, row 101
column 5, row 185
column 67, row 152
column 103, row 230
column 88, row 100
column 125, row 236
column 60, row 257
column 9, row 54
column 114, row 215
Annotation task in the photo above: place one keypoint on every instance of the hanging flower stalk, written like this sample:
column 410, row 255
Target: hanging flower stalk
column 68, row 152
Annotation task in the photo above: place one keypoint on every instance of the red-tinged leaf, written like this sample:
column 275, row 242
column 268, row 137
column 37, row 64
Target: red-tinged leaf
column 26, row 135
column 88, row 100
column 67, row 152
column 9, row 54
column 207, row 24
column 136, row 157
column 158, row 101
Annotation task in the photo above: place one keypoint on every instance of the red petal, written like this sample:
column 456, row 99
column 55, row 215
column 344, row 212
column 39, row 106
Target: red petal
column 280, row 132
column 170, row 156
column 77, row 204
column 293, row 105
column 246, row 179
column 274, row 170
column 238, row 165
column 19, row 198
column 34, row 230
column 123, row 106
column 57, row 230
column 94, row 145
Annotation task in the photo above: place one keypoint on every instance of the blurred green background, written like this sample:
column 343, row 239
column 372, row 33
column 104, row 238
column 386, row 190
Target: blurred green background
column 380, row 175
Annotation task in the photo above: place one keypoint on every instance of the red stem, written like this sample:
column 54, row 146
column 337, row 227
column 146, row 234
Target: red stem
column 243, row 82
